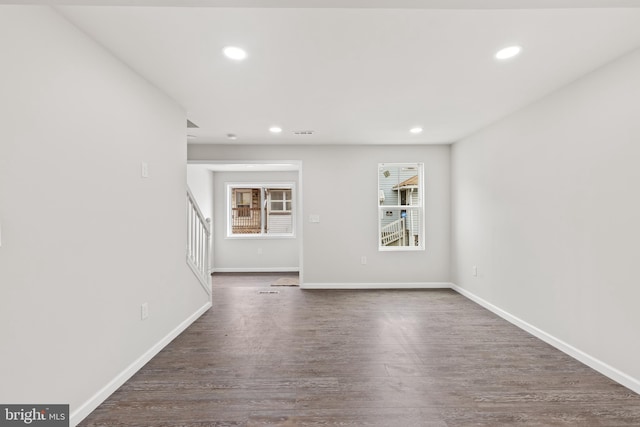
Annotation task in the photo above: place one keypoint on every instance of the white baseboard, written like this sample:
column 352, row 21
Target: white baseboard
column 86, row 408
column 409, row 285
column 257, row 270
column 600, row 366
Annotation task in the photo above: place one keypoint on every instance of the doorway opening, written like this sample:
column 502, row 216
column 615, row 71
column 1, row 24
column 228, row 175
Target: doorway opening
column 268, row 252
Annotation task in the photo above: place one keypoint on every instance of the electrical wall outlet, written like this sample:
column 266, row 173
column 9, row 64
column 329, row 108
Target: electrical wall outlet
column 144, row 169
column 144, row 311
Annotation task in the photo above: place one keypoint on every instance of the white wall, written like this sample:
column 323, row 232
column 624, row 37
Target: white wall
column 339, row 183
column 85, row 240
column 546, row 204
column 252, row 254
column 200, row 181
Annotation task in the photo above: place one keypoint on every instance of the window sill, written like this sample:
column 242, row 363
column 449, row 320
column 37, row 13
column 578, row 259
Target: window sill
column 260, row 237
column 400, row 248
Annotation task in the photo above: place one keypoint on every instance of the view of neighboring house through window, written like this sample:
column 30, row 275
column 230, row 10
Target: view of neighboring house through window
column 280, row 200
column 260, row 210
column 400, row 206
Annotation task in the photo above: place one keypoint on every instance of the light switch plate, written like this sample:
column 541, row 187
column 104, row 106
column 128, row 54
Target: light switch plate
column 144, row 311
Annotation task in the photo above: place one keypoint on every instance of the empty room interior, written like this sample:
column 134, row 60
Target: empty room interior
column 257, row 212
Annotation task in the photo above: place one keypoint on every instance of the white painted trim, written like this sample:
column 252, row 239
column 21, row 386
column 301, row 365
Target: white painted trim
column 408, row 285
column 203, row 282
column 86, row 408
column 300, row 224
column 600, row 366
column 287, row 165
column 354, row 4
column 256, row 270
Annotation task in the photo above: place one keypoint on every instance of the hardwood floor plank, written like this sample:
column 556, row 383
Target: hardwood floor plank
column 380, row 417
column 360, row 358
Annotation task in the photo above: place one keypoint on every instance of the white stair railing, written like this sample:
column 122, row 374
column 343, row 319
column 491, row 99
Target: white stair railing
column 198, row 242
column 392, row 232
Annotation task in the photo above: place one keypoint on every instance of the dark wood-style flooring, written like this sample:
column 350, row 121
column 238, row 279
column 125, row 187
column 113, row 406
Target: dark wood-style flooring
column 360, row 358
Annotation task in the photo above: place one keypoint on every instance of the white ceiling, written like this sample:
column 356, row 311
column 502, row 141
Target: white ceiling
column 357, row 75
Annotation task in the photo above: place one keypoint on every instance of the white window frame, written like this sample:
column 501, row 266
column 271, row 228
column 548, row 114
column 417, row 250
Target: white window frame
column 230, row 186
column 419, row 208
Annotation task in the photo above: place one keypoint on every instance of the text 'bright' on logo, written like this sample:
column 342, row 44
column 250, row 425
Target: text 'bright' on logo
column 34, row 415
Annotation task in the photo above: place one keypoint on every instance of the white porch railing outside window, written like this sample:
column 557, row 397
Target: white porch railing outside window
column 393, row 232
column 198, row 243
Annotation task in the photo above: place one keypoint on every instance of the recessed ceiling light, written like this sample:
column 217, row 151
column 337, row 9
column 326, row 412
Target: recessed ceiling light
column 508, row 52
column 232, row 136
column 275, row 129
column 235, row 53
column 416, row 130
